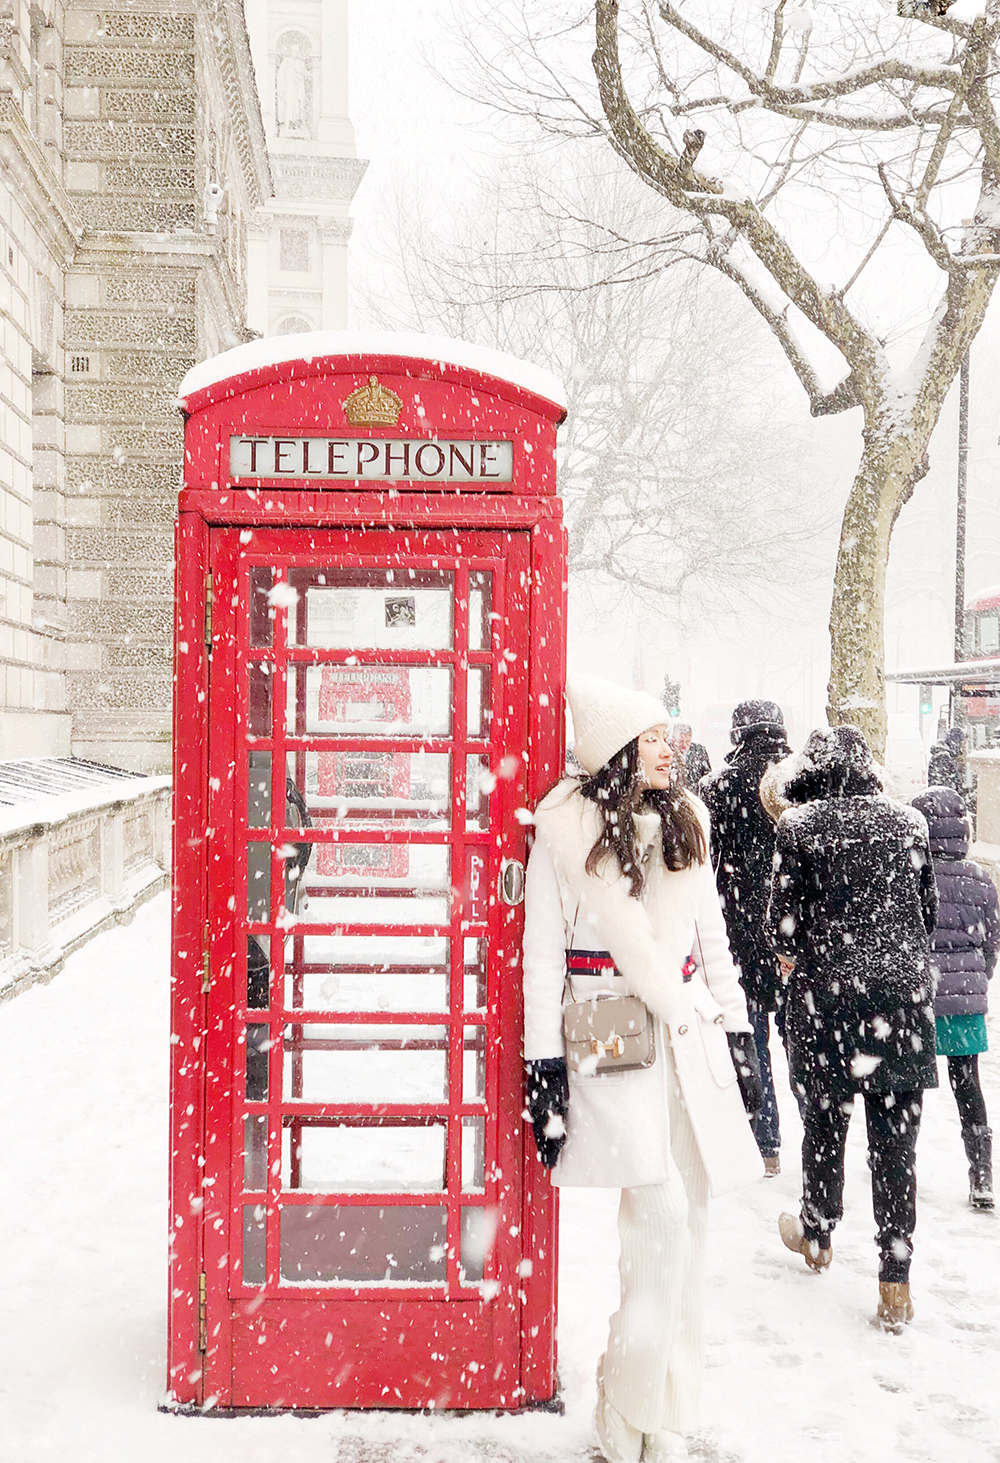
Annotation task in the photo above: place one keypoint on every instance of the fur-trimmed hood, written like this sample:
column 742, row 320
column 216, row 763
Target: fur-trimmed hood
column 650, row 937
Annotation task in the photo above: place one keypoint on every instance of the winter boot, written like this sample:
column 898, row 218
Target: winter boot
column 895, row 1308
column 664, row 1447
column 793, row 1237
column 772, row 1165
column 979, row 1151
column 620, row 1441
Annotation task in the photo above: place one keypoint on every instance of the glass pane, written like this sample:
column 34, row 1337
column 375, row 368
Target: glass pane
column 261, row 610
column 371, row 1064
column 473, row 1155
column 258, row 882
column 261, row 677
column 478, row 712
column 375, row 609
column 366, row 973
column 480, row 605
column 364, row 1244
column 474, row 1064
column 258, row 1039
column 989, row 638
column 255, row 1152
column 374, row 789
column 479, row 783
column 479, row 1227
column 254, row 1244
column 258, row 971
column 474, row 976
column 358, row 1159
column 377, row 884
column 259, row 790
column 369, row 701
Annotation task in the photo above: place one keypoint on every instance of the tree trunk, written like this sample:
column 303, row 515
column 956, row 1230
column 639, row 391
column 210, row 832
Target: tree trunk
column 885, row 479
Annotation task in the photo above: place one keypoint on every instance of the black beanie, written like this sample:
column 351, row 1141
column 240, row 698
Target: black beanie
column 751, row 715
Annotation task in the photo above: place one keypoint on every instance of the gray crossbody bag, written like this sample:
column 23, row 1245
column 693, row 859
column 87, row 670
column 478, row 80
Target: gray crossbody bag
column 610, row 1033
column 606, row 1033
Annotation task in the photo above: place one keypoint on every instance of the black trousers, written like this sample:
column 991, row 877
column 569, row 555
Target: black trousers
column 893, row 1120
column 963, row 1074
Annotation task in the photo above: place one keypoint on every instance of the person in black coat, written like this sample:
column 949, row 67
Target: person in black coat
column 964, row 949
column 946, row 765
column 853, row 902
column 742, row 851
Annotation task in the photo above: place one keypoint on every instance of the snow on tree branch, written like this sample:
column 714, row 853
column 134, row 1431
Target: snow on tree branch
column 778, row 132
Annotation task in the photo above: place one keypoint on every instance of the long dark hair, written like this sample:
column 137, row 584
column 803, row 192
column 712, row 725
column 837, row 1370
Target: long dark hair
column 620, row 794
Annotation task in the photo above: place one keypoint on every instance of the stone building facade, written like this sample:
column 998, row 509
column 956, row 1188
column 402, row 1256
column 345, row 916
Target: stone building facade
column 133, row 165
column 298, row 248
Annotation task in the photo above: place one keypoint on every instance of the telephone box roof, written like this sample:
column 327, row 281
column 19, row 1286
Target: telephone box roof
column 259, row 362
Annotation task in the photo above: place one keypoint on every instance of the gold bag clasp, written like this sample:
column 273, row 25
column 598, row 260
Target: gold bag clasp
column 613, row 1048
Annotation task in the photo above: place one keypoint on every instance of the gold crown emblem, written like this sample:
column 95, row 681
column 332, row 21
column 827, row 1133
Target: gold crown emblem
column 373, row 403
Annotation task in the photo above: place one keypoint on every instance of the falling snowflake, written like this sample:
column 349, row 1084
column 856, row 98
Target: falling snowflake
column 283, row 595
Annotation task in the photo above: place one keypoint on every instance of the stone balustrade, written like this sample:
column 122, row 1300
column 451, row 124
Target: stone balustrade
column 74, row 861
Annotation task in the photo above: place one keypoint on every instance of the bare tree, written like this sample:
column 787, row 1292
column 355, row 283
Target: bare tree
column 759, row 121
column 677, row 487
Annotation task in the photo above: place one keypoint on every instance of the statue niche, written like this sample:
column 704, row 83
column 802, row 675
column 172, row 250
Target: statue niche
column 293, row 86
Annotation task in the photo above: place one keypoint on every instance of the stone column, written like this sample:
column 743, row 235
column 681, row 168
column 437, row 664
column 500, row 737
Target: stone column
column 334, row 235
column 258, row 243
column 334, row 120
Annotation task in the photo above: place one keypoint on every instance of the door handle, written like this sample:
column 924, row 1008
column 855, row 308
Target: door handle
column 510, row 884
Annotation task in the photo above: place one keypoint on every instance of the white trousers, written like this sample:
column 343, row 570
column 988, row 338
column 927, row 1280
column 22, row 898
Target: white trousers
column 655, row 1357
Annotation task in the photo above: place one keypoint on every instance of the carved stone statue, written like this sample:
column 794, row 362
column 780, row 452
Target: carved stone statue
column 290, row 96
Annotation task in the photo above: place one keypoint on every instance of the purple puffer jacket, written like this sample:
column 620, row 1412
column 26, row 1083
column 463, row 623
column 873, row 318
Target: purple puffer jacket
column 964, row 945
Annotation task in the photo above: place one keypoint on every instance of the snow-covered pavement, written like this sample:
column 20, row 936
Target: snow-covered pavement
column 795, row 1372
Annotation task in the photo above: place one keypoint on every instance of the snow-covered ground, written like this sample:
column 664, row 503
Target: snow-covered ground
column 795, row 1371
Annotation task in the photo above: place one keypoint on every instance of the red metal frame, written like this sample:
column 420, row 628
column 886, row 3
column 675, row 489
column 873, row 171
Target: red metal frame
column 308, row 1346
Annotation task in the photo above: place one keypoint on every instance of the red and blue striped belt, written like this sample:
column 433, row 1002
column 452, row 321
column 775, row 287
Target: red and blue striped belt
column 590, row 962
column 601, row 962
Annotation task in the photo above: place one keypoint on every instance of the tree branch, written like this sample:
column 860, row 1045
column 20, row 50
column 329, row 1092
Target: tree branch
column 867, row 259
column 821, row 403
column 777, row 40
column 824, row 309
column 940, row 22
column 856, row 123
column 889, row 69
column 921, row 223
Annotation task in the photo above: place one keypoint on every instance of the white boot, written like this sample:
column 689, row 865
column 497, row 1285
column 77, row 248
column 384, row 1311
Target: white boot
column 664, row 1447
column 620, row 1441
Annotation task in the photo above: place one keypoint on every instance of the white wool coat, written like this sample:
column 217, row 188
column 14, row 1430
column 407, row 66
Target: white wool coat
column 618, row 1129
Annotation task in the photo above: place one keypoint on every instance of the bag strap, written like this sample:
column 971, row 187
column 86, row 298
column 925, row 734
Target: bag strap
column 697, row 936
column 567, row 982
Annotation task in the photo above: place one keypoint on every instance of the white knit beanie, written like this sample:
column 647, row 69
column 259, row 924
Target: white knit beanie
column 607, row 717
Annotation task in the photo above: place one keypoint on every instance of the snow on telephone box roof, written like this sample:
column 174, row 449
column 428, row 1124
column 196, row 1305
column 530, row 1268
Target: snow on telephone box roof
column 414, row 413
column 309, row 346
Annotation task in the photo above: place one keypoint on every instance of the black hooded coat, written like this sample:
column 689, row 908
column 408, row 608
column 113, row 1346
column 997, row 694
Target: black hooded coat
column 853, row 901
column 944, row 768
column 742, row 851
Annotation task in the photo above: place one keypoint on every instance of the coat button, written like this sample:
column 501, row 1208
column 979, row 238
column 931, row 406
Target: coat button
column 681, row 1030
column 719, row 1019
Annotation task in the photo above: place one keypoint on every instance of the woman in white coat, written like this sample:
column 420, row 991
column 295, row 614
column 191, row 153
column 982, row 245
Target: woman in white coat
column 621, row 900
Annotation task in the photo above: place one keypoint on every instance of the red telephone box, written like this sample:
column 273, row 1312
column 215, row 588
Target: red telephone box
column 369, row 673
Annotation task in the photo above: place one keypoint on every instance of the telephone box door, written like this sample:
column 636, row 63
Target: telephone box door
column 367, row 749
